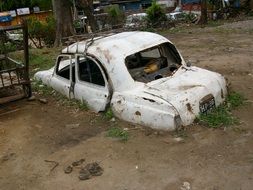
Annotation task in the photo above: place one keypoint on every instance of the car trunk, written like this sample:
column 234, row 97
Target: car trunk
column 190, row 91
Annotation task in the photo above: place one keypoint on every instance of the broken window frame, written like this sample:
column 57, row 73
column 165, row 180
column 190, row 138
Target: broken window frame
column 100, row 69
column 58, row 60
column 174, row 53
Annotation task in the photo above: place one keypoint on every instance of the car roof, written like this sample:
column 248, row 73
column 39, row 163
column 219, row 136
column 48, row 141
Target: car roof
column 124, row 43
column 112, row 50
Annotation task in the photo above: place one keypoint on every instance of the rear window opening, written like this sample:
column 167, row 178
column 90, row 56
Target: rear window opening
column 154, row 63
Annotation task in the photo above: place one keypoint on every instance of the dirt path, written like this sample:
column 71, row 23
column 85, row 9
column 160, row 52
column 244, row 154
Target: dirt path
column 212, row 159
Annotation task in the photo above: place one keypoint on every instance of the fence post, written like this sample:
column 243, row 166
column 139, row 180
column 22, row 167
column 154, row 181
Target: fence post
column 26, row 54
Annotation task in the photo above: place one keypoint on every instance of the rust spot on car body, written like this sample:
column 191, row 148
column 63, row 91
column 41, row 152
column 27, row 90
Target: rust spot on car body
column 108, row 56
column 138, row 113
column 189, row 107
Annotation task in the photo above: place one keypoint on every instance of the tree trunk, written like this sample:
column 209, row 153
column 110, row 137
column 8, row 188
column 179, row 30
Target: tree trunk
column 64, row 21
column 251, row 5
column 87, row 6
column 203, row 17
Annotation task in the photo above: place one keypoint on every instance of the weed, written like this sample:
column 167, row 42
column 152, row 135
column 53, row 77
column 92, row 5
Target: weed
column 109, row 114
column 39, row 87
column 76, row 103
column 234, row 100
column 222, row 116
column 39, row 59
column 214, row 23
column 180, row 133
column 119, row 133
column 218, row 117
column 42, row 89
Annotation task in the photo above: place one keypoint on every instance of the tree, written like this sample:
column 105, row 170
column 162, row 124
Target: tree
column 115, row 15
column 155, row 15
column 7, row 5
column 203, row 17
column 64, row 21
column 87, row 6
column 42, row 4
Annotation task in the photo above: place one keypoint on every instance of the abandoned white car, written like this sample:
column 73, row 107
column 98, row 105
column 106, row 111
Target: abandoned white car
column 140, row 75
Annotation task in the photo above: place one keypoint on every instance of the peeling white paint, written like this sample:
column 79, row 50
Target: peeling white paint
column 165, row 103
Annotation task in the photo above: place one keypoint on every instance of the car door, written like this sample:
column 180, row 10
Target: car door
column 91, row 85
column 63, row 75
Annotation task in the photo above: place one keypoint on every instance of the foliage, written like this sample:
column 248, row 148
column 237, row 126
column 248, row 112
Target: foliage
column 7, row 47
column 234, row 100
column 49, row 31
column 190, row 18
column 218, row 117
column 222, row 116
column 155, row 15
column 42, row 89
column 43, row 4
column 109, row 114
column 7, row 5
column 115, row 15
column 42, row 32
column 119, row 133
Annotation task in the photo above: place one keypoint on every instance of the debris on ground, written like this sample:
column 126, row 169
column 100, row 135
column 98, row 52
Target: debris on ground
column 43, row 100
column 7, row 157
column 72, row 126
column 186, row 186
column 91, row 169
column 55, row 164
column 84, row 174
column 178, row 139
column 68, row 169
column 94, row 169
column 32, row 98
column 78, row 163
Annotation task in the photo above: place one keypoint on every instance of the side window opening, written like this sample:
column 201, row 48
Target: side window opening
column 63, row 68
column 90, row 72
column 154, row 63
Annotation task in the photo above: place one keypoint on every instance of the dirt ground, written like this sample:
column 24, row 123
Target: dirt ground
column 207, row 159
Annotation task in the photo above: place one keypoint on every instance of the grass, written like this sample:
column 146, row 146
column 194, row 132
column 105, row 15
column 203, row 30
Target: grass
column 215, row 23
column 234, row 100
column 44, row 90
column 222, row 116
column 109, row 114
column 40, row 88
column 39, row 59
column 116, row 132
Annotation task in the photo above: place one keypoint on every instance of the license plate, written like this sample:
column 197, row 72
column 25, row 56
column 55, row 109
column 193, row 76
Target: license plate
column 207, row 104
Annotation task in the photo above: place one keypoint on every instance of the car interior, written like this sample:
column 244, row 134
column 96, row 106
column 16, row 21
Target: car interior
column 154, row 63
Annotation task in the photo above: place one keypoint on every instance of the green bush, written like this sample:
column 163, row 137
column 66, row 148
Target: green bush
column 7, row 47
column 155, row 15
column 42, row 33
column 115, row 15
column 49, row 31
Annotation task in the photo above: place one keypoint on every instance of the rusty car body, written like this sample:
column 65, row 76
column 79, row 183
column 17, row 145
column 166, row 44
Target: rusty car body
column 140, row 75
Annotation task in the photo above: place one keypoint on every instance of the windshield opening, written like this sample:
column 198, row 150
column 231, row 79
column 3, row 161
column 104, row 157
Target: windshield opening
column 153, row 63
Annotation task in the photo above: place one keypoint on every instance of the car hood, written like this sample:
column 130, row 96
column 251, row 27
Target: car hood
column 44, row 76
column 187, row 88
